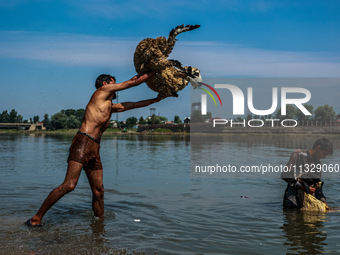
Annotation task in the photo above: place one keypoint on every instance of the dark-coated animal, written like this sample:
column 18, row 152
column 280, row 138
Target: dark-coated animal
column 152, row 55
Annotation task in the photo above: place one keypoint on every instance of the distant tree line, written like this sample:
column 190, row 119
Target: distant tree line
column 154, row 119
column 323, row 113
column 70, row 118
column 64, row 119
column 11, row 117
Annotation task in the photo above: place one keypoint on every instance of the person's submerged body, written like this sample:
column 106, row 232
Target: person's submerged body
column 84, row 150
column 301, row 178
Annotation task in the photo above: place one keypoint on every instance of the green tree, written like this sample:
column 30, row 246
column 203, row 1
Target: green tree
column 156, row 119
column 59, row 120
column 131, row 122
column 68, row 112
column 35, row 119
column 177, row 119
column 291, row 113
column 301, row 116
column 47, row 122
column 19, row 119
column 325, row 113
column 13, row 116
column 4, row 117
column 153, row 120
column 72, row 122
column 162, row 118
column 141, row 121
column 79, row 114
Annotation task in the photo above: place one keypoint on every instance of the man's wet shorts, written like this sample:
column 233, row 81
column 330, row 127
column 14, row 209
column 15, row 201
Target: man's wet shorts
column 85, row 150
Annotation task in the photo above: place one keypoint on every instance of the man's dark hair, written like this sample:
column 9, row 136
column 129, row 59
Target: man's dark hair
column 103, row 77
column 324, row 144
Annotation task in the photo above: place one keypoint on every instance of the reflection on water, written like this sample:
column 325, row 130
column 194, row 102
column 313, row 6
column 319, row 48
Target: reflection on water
column 304, row 232
column 279, row 141
column 152, row 203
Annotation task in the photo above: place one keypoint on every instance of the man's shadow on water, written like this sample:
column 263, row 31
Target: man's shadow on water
column 303, row 232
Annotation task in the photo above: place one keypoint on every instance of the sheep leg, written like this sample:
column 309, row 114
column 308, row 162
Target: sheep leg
column 174, row 94
column 159, row 64
column 187, row 70
column 175, row 63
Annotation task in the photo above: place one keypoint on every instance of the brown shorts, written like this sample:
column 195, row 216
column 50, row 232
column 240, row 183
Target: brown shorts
column 85, row 151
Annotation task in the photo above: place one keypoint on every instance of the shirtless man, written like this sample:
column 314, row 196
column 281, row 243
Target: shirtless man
column 301, row 176
column 84, row 150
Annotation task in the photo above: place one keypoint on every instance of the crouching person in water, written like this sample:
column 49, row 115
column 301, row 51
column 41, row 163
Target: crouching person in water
column 84, row 150
column 301, row 180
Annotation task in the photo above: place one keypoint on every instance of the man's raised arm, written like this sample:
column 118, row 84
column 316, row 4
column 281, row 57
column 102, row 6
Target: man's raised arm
column 121, row 107
column 134, row 81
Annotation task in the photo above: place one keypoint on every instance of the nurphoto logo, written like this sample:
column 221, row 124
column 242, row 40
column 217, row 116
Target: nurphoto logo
column 239, row 102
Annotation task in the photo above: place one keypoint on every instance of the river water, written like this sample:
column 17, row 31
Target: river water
column 154, row 205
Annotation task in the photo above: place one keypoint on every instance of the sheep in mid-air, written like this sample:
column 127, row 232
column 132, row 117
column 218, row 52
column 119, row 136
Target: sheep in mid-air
column 151, row 55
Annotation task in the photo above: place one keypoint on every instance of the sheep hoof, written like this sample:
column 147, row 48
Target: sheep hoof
column 174, row 94
column 175, row 63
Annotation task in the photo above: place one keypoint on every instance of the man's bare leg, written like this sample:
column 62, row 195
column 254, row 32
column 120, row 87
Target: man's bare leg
column 95, row 178
column 69, row 184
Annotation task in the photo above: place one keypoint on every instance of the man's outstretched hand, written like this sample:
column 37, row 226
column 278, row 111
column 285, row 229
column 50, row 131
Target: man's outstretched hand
column 139, row 79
